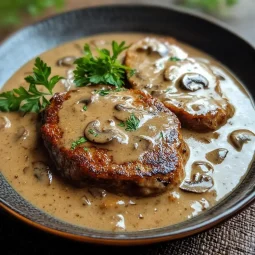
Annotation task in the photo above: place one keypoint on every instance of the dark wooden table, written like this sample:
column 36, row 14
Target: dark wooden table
column 236, row 236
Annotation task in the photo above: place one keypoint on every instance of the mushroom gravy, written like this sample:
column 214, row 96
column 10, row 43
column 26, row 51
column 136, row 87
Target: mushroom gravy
column 113, row 109
column 224, row 155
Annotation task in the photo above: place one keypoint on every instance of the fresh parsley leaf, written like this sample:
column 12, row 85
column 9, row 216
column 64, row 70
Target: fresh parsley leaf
column 131, row 124
column 93, row 132
column 174, row 59
column 78, row 142
column 105, row 92
column 85, row 148
column 132, row 72
column 104, row 68
column 121, row 124
column 85, row 108
column 31, row 100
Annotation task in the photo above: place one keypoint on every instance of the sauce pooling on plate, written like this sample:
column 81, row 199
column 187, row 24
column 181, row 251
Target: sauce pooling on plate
column 218, row 159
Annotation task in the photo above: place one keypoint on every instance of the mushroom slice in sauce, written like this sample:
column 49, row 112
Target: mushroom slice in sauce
column 152, row 45
column 95, row 134
column 193, row 82
column 217, row 156
column 42, row 172
column 239, row 137
column 4, row 122
column 97, row 192
column 123, row 112
column 85, row 200
column 199, row 183
column 66, row 61
column 79, row 105
column 201, row 167
column 22, row 133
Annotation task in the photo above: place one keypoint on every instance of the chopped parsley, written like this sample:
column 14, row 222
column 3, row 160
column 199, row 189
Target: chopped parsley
column 85, row 108
column 161, row 135
column 174, row 59
column 78, row 142
column 131, row 124
column 93, row 132
column 121, row 124
column 105, row 92
column 132, row 72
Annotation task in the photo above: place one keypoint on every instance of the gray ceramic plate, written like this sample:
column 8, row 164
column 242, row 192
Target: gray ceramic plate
column 200, row 33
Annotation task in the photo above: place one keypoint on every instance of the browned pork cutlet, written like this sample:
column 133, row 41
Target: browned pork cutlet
column 187, row 87
column 89, row 135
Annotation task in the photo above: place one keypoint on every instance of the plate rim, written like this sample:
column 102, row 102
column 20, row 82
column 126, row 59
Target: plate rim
column 164, row 236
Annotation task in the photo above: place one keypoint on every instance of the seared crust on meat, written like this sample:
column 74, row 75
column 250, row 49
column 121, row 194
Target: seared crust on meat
column 151, row 174
column 160, row 66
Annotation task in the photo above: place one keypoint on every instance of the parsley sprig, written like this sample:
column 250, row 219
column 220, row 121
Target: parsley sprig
column 31, row 100
column 103, row 69
column 131, row 124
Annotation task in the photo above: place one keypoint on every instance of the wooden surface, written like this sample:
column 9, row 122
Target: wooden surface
column 236, row 236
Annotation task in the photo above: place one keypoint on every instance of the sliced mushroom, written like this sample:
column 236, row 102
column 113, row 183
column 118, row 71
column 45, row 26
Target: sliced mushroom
column 209, row 137
column 217, row 156
column 152, row 45
column 239, row 137
column 85, row 101
column 85, row 200
column 22, row 133
column 79, row 105
column 123, row 112
column 97, row 192
column 66, row 61
column 42, row 172
column 149, row 139
column 95, row 134
column 193, row 82
column 4, row 122
column 201, row 167
column 199, row 183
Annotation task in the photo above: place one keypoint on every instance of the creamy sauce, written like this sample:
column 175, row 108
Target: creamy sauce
column 114, row 109
column 21, row 146
column 159, row 72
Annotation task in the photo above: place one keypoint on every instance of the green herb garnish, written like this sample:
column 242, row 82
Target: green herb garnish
column 132, row 72
column 131, row 124
column 174, row 59
column 121, row 124
column 85, row 108
column 161, row 135
column 105, row 92
column 104, row 69
column 93, row 132
column 31, row 100
column 78, row 142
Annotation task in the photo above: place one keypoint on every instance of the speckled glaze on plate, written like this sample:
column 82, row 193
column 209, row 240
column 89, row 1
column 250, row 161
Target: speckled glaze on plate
column 206, row 35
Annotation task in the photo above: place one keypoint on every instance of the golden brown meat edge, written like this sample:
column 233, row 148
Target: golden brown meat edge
column 158, row 169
